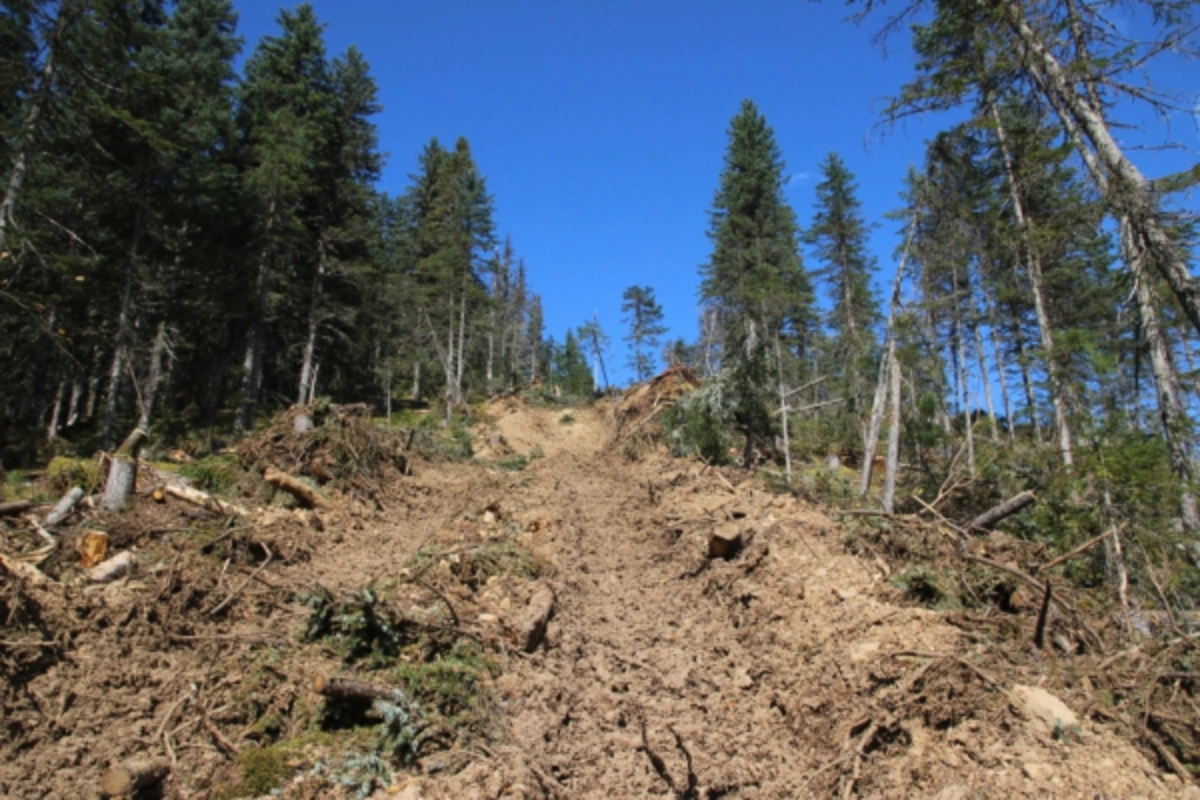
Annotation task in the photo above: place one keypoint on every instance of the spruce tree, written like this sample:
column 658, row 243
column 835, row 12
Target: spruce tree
column 754, row 278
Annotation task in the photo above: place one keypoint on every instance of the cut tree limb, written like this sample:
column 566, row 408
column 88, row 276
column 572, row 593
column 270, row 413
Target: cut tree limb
column 134, row 775
column 113, row 568
column 305, row 494
column 122, row 474
column 64, row 506
column 206, row 501
column 15, row 507
column 350, row 689
column 23, row 570
column 1006, row 509
column 531, row 629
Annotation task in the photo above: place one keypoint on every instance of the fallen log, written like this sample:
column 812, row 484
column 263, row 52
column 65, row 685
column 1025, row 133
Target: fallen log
column 305, row 494
column 205, row 501
column 133, row 776
column 531, row 629
column 64, row 506
column 113, row 568
column 122, row 473
column 350, row 689
column 23, row 570
column 15, row 507
column 1006, row 509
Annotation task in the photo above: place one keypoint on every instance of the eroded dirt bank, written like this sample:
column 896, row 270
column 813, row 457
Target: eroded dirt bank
column 789, row 670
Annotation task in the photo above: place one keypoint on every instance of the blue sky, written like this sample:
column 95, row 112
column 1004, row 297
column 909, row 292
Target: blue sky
column 601, row 124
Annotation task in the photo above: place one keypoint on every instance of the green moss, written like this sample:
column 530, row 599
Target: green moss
column 451, row 684
column 64, row 472
column 214, row 473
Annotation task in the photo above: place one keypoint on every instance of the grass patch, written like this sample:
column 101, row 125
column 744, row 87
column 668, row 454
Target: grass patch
column 214, row 474
column 64, row 472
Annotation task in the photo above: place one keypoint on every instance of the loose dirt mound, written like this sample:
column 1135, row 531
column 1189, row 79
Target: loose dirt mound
column 790, row 669
column 646, row 401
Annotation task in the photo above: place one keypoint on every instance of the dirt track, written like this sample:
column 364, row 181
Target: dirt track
column 790, row 670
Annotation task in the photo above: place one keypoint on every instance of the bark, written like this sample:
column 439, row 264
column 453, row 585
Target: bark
column 893, row 450
column 160, row 348
column 1033, row 266
column 252, row 364
column 350, row 689
column 307, row 375
column 206, row 501
column 107, row 571
column 871, row 442
column 1001, row 368
column 416, row 385
column 305, row 494
column 15, row 507
column 1176, row 426
column 960, row 373
column 981, row 355
column 118, row 362
column 73, row 404
column 122, row 473
column 133, row 776
column 1128, row 191
column 1006, row 509
column 64, row 506
column 55, row 412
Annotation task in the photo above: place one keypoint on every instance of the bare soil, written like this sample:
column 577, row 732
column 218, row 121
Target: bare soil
column 791, row 669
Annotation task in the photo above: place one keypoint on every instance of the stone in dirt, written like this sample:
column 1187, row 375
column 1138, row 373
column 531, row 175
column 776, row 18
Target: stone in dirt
column 1044, row 708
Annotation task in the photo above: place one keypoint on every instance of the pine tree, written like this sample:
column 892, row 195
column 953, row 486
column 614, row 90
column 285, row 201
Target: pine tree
column 643, row 315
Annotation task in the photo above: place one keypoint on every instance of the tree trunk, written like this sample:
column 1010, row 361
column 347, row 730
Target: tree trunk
column 1001, row 367
column 160, row 348
column 307, row 378
column 1131, row 197
column 985, row 378
column 55, row 411
column 960, row 372
column 783, row 413
column 252, row 364
column 1033, row 267
column 1176, row 425
column 122, row 473
column 118, row 362
column 871, row 443
column 73, row 404
column 416, row 384
column 892, row 469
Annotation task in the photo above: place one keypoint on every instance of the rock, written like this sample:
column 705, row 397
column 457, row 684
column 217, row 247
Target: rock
column 1044, row 708
column 532, row 627
column 1039, row 773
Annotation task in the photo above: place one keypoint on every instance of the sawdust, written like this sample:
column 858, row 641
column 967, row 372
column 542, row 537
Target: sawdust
column 794, row 669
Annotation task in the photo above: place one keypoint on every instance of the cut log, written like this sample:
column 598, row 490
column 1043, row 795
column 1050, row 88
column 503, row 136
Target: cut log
column 122, row 474
column 113, row 568
column 725, row 541
column 350, row 689
column 93, row 548
column 531, row 630
column 302, row 423
column 64, row 506
column 15, row 507
column 206, row 501
column 305, row 494
column 133, row 776
column 1006, row 509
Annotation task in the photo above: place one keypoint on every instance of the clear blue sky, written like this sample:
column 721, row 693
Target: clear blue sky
column 601, row 124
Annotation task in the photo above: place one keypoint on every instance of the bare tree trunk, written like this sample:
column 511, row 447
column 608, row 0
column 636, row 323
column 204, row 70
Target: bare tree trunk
column 981, row 355
column 783, row 413
column 252, row 364
column 1132, row 198
column 462, row 341
column 73, row 404
column 1176, row 426
column 416, row 384
column 1033, row 267
column 960, row 346
column 118, row 362
column 307, row 379
column 160, row 348
column 871, row 443
column 892, row 470
column 1001, row 367
column 56, row 409
column 1026, row 377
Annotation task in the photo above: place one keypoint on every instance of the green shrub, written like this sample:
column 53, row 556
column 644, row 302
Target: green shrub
column 213, row 474
column 700, row 422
